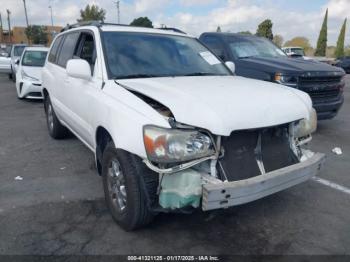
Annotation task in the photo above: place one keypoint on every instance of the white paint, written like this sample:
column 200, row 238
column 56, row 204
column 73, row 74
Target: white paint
column 223, row 104
column 332, row 185
column 18, row 178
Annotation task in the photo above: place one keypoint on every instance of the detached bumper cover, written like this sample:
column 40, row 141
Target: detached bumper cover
column 235, row 193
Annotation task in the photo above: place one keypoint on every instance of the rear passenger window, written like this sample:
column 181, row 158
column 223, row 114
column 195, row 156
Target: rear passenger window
column 54, row 50
column 67, row 49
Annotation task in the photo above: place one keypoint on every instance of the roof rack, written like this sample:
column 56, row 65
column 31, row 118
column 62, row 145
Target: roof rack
column 99, row 24
column 89, row 23
column 172, row 29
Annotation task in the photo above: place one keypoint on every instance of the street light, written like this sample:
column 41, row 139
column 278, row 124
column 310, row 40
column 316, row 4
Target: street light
column 50, row 7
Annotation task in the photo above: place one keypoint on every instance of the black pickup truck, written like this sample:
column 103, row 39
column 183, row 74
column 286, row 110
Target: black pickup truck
column 259, row 58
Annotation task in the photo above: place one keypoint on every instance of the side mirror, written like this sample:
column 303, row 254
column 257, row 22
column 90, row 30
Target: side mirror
column 17, row 62
column 231, row 66
column 79, row 68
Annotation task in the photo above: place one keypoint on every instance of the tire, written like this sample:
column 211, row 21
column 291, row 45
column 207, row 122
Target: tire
column 10, row 76
column 131, row 194
column 56, row 129
column 13, row 77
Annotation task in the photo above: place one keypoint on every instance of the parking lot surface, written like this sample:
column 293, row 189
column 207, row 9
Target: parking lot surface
column 58, row 207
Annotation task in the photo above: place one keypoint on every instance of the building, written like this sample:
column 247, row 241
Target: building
column 18, row 35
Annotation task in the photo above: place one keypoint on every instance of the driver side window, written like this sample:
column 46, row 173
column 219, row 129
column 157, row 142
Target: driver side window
column 86, row 49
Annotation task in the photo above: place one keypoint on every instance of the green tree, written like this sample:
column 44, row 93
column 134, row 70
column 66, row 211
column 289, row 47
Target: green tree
column 142, row 22
column 299, row 41
column 322, row 39
column 339, row 51
column 92, row 13
column 265, row 29
column 245, row 33
column 278, row 40
column 37, row 34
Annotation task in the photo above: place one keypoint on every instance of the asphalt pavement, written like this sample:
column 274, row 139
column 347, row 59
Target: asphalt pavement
column 58, row 207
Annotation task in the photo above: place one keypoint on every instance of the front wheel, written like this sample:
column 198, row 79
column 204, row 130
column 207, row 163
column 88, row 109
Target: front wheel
column 56, row 129
column 130, row 188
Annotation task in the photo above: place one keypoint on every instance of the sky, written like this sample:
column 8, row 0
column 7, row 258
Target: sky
column 290, row 18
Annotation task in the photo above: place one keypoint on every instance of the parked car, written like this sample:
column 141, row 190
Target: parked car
column 174, row 130
column 344, row 62
column 28, row 78
column 259, row 58
column 294, row 51
column 15, row 54
column 5, row 64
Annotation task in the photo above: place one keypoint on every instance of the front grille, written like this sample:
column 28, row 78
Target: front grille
column 35, row 94
column 321, row 88
column 240, row 155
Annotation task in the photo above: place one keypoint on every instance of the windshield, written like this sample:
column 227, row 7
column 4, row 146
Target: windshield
column 34, row 58
column 298, row 51
column 18, row 50
column 139, row 55
column 245, row 47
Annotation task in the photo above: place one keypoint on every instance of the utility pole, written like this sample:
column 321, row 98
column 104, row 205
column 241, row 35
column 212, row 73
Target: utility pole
column 25, row 12
column 50, row 7
column 52, row 30
column 1, row 30
column 26, row 15
column 117, row 3
column 9, row 23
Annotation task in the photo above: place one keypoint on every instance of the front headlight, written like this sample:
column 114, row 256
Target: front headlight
column 176, row 145
column 286, row 79
column 28, row 77
column 306, row 127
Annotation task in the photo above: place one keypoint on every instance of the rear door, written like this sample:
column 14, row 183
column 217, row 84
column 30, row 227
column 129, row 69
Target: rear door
column 60, row 77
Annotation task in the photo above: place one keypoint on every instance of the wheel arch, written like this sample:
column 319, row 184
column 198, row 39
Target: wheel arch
column 102, row 137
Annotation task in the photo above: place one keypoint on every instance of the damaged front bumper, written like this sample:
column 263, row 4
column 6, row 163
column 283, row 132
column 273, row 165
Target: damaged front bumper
column 217, row 194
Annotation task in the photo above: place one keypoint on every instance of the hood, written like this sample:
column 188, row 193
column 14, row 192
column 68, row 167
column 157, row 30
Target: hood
column 33, row 71
column 288, row 65
column 222, row 104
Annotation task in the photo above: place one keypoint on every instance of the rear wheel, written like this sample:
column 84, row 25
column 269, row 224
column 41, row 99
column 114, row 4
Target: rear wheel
column 10, row 76
column 56, row 129
column 130, row 188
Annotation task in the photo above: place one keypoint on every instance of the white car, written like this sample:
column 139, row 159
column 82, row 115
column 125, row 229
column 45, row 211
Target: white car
column 172, row 128
column 5, row 64
column 28, row 78
column 15, row 54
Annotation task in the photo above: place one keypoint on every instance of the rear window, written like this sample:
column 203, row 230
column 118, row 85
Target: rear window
column 34, row 58
column 18, row 50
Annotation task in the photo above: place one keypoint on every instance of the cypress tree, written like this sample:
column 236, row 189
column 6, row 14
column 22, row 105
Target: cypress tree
column 339, row 51
column 265, row 29
column 322, row 39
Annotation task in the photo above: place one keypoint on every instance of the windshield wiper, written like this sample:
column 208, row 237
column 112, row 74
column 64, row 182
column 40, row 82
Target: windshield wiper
column 200, row 74
column 246, row 57
column 137, row 76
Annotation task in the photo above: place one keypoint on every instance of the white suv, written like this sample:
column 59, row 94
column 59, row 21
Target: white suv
column 172, row 128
